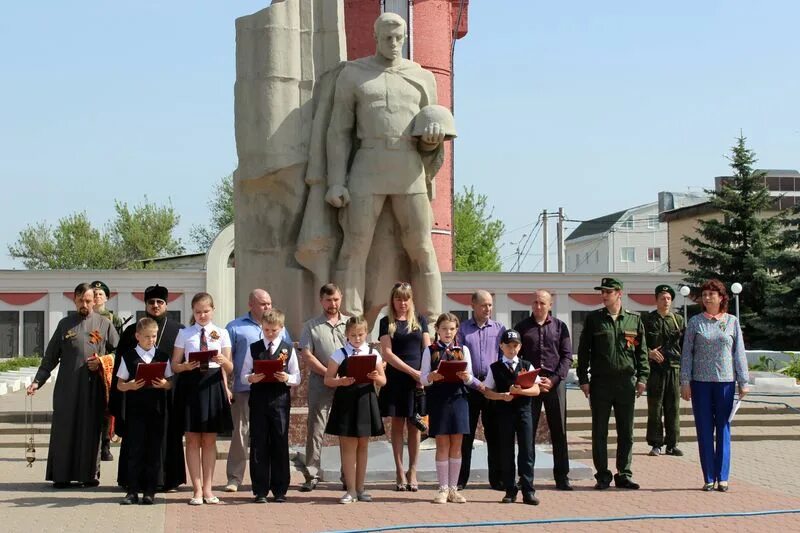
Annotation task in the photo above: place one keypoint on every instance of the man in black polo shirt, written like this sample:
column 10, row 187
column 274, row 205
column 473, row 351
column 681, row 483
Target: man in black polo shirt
column 546, row 344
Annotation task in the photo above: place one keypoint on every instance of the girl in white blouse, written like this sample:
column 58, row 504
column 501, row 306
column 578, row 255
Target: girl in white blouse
column 205, row 396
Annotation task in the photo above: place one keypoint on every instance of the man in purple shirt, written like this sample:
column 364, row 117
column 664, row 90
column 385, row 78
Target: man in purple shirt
column 546, row 344
column 481, row 335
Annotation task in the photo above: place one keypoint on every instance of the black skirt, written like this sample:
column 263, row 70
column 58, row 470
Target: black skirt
column 448, row 409
column 354, row 412
column 398, row 397
column 205, row 403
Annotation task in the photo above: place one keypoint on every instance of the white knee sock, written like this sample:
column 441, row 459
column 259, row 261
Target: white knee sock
column 442, row 474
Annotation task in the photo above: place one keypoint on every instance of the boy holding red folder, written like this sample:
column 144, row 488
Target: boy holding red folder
column 145, row 407
column 269, row 403
column 514, row 417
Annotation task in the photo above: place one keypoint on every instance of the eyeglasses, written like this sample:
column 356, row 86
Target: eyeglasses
column 156, row 301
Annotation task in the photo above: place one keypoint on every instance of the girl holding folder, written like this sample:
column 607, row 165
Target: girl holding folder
column 205, row 399
column 448, row 409
column 354, row 414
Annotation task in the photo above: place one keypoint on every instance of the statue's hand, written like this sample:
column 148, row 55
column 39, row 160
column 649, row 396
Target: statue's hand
column 338, row 196
column 433, row 134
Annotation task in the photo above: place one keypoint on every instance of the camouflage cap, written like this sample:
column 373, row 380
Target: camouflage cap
column 102, row 286
column 609, row 284
column 665, row 288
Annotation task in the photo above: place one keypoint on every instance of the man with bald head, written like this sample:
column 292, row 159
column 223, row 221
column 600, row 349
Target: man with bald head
column 481, row 335
column 546, row 344
column 244, row 331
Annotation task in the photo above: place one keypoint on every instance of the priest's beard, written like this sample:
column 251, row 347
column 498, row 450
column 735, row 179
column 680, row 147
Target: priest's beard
column 84, row 311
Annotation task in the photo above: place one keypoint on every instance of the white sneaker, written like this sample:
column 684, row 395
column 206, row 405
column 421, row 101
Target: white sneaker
column 231, row 487
column 347, row 498
column 655, row 451
column 455, row 497
column 441, row 496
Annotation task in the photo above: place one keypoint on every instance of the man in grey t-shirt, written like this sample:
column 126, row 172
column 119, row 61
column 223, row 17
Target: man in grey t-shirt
column 321, row 337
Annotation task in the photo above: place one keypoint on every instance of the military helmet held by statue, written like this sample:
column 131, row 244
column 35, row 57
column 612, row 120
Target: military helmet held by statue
column 435, row 113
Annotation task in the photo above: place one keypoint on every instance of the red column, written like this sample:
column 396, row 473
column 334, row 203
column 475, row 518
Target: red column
column 432, row 27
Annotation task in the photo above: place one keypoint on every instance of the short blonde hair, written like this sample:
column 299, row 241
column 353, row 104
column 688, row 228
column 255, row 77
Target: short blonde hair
column 274, row 317
column 145, row 323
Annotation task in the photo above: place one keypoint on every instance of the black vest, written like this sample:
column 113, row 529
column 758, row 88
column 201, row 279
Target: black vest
column 504, row 378
column 268, row 389
column 441, row 389
column 147, row 398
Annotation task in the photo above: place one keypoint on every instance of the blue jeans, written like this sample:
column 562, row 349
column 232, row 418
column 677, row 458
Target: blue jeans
column 712, row 403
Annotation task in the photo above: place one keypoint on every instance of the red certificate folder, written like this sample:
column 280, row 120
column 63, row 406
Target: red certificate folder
column 358, row 366
column 449, row 369
column 150, row 372
column 268, row 367
column 525, row 380
column 202, row 357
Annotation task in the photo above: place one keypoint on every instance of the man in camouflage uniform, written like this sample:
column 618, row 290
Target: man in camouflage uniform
column 101, row 295
column 614, row 351
column 664, row 332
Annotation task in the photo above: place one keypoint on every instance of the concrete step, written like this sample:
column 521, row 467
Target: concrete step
column 687, row 421
column 743, row 433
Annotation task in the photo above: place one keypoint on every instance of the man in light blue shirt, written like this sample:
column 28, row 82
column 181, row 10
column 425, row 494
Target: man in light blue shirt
column 244, row 331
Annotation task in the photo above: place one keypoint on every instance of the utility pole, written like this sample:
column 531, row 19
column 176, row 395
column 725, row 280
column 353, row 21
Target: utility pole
column 544, row 239
column 560, row 233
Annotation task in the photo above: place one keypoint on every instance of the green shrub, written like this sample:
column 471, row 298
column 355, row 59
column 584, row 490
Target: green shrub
column 19, row 362
column 793, row 369
column 765, row 363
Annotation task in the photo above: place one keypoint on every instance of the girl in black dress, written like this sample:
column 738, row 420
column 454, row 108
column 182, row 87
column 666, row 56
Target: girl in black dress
column 204, row 395
column 448, row 409
column 403, row 336
column 354, row 414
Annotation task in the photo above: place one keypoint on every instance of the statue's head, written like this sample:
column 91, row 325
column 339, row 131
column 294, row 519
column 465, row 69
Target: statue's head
column 390, row 34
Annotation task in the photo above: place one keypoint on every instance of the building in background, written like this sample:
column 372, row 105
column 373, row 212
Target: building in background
column 682, row 221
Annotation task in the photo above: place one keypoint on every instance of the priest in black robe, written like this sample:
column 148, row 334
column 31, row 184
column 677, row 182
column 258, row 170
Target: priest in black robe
column 80, row 345
column 173, row 473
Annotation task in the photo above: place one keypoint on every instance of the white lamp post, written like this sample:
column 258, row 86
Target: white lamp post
column 685, row 291
column 736, row 289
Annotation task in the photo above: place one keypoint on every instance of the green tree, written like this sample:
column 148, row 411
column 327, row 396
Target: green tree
column 477, row 234
column 220, row 207
column 741, row 246
column 778, row 318
column 141, row 232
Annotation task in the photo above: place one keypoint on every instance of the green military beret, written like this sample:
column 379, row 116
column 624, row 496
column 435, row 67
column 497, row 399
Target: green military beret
column 103, row 286
column 609, row 284
column 665, row 288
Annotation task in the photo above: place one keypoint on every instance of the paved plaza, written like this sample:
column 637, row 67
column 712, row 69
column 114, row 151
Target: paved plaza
column 764, row 478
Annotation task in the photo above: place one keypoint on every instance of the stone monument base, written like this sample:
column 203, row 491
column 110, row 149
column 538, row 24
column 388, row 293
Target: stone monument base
column 380, row 467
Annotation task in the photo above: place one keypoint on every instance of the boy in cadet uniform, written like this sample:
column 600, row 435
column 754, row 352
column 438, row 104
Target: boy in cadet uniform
column 613, row 349
column 269, row 404
column 145, row 409
column 664, row 331
column 101, row 295
column 514, row 417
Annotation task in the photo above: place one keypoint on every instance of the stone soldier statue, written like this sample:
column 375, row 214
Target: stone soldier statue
column 383, row 145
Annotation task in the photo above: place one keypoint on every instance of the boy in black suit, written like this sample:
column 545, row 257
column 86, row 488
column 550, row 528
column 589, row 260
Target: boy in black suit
column 144, row 413
column 269, row 402
column 513, row 417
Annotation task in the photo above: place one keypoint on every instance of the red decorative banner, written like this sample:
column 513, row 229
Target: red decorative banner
column 643, row 299
column 587, row 299
column 21, row 298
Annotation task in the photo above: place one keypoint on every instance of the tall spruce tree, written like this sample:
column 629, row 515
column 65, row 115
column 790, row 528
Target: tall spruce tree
column 741, row 246
column 779, row 317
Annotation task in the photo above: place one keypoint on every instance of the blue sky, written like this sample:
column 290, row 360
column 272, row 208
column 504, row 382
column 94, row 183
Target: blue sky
column 590, row 106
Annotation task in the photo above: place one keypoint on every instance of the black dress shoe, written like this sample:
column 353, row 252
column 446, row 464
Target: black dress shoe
column 530, row 499
column 260, row 498
column 280, row 498
column 61, row 485
column 625, row 483
column 148, row 499
column 602, row 485
column 92, row 483
column 563, row 484
column 105, row 453
column 130, row 499
column 510, row 497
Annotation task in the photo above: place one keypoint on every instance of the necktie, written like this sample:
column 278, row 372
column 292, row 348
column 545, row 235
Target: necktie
column 269, row 350
column 510, row 365
column 203, row 341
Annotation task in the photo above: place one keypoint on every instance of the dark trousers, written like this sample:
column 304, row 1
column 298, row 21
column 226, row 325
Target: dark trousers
column 605, row 394
column 269, row 446
column 712, row 404
column 515, row 424
column 145, row 431
column 555, row 409
column 663, row 400
column 480, row 406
